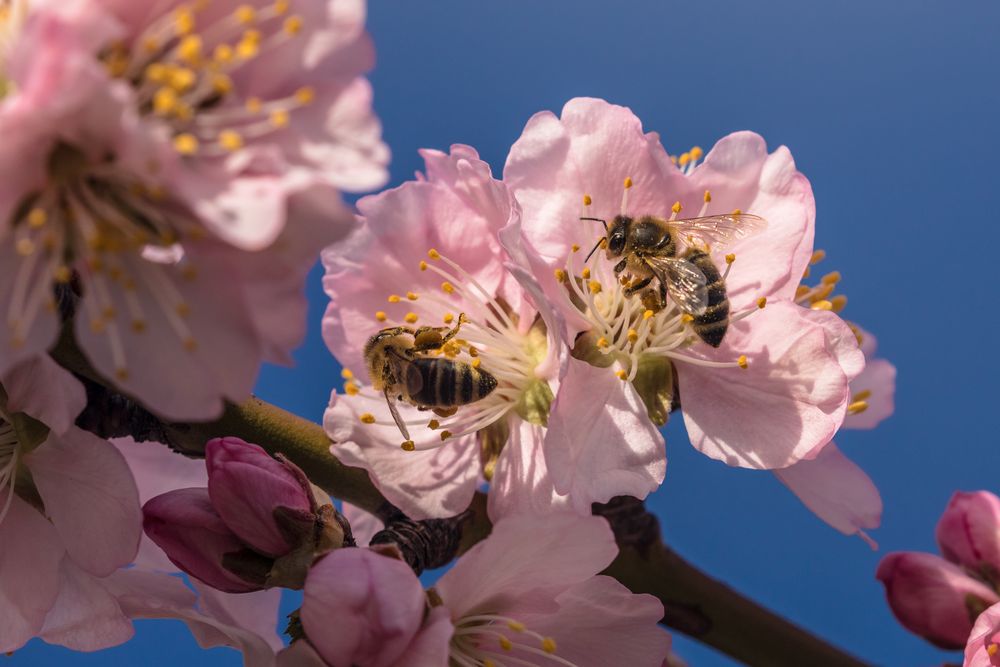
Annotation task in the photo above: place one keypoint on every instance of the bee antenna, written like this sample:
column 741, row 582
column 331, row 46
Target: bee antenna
column 600, row 220
column 594, row 249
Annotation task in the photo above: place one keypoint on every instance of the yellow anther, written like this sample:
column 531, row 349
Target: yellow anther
column 181, row 79
column 305, row 95
column 183, row 309
column 633, row 335
column 37, row 217
column 676, row 208
column 138, row 326
column 647, row 314
column 857, row 407
column 801, row 291
column 447, row 287
column 351, row 388
column 761, row 302
column 838, row 302
column 186, row 144
column 708, row 196
column 602, row 342
column 280, row 7
column 25, row 247
column 807, row 272
column 831, row 278
column 445, row 435
column 231, row 140
column 696, row 152
column 575, row 248
column 293, row 25
column 516, row 626
column 367, row 418
column 394, row 298
column 561, row 275
column 410, row 318
column 448, row 318
column 346, row 374
column 380, row 316
column 164, row 101
column 156, row 73
column 189, row 50
column 222, row 54
column 245, row 14
column 184, row 21
column 585, row 274
column 594, row 286
column 730, row 258
column 433, row 424
column 248, row 46
column 737, row 212
column 862, row 395
column 505, row 643
column 628, row 182
column 121, row 373
column 279, row 119
column 408, row 446
column 821, row 292
column 62, row 274
column 622, row 375
column 473, row 352
column 822, row 304
column 742, row 362
column 222, row 84
column 254, row 104
column 548, row 644
column 477, row 362
column 412, row 296
column 587, row 201
column 488, row 663
column 190, row 344
column 673, row 159
column 684, row 159
column 423, row 265
column 109, row 312
column 817, row 257
column 687, row 318
column 150, row 45
column 433, row 254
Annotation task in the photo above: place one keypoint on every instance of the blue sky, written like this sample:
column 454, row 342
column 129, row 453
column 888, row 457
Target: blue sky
column 888, row 107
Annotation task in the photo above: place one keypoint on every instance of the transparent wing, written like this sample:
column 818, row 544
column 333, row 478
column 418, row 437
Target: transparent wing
column 685, row 282
column 398, row 418
column 719, row 230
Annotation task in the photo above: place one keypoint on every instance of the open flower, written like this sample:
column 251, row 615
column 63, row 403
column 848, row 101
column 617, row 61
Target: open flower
column 983, row 647
column 777, row 387
column 528, row 595
column 177, row 166
column 69, row 514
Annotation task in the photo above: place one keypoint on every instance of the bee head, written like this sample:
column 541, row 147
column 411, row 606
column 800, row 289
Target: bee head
column 618, row 234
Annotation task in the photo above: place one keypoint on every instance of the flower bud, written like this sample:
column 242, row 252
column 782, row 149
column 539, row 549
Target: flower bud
column 185, row 525
column 932, row 597
column 968, row 533
column 247, row 485
column 375, row 603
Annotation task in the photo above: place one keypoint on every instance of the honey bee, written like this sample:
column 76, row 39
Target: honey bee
column 400, row 368
column 675, row 254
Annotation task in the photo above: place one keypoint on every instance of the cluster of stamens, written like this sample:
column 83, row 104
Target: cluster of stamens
column 622, row 326
column 490, row 339
column 688, row 160
column 489, row 640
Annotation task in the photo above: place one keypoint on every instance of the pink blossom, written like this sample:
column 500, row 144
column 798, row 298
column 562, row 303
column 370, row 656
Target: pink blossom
column 70, row 521
column 427, row 253
column 968, row 533
column 983, row 647
column 181, row 166
column 932, row 597
column 777, row 388
column 528, row 594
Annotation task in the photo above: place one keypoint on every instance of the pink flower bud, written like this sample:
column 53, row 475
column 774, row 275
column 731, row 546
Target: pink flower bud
column 247, row 485
column 375, row 603
column 968, row 533
column 184, row 524
column 932, row 597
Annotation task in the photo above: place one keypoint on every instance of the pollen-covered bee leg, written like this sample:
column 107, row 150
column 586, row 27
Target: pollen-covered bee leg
column 635, row 287
column 394, row 411
column 444, row 413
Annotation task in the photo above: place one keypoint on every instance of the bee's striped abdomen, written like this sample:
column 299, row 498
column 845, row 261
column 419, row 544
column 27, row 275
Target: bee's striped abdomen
column 711, row 326
column 447, row 383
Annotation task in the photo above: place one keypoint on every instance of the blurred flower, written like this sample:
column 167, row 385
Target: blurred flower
column 777, row 387
column 983, row 646
column 527, row 595
column 69, row 515
column 177, row 166
column 258, row 524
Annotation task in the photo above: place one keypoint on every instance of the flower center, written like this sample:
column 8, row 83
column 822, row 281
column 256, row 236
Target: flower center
column 491, row 339
column 183, row 73
column 492, row 640
column 8, row 466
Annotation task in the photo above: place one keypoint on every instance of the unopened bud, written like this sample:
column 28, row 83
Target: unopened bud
column 968, row 533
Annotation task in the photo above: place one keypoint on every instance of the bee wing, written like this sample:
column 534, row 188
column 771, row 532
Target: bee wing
column 685, row 282
column 398, row 418
column 720, row 230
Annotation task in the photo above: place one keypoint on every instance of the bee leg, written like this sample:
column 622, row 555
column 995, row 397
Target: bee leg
column 652, row 301
column 620, row 266
column 445, row 412
column 396, row 417
column 632, row 289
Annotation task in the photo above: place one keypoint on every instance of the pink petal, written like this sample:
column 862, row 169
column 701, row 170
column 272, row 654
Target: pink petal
column 968, row 532
column 521, row 482
column 91, row 498
column 600, row 443
column 523, row 554
column 789, row 401
column 85, row 616
column 363, row 524
column 46, row 391
column 986, row 625
column 247, row 619
column 836, row 490
column 430, row 646
column 433, row 483
column 300, row 654
column 30, row 553
column 879, row 377
column 43, row 329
